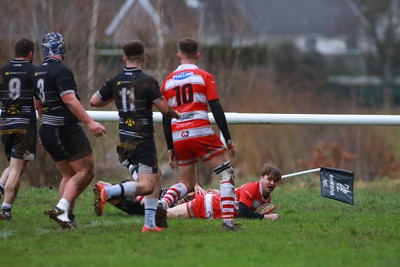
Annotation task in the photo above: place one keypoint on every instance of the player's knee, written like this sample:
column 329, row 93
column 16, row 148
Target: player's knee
column 147, row 188
column 86, row 175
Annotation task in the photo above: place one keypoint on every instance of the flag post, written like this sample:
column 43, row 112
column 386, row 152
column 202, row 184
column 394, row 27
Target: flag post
column 300, row 173
column 335, row 183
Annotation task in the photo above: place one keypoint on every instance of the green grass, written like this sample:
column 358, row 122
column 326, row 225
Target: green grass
column 311, row 231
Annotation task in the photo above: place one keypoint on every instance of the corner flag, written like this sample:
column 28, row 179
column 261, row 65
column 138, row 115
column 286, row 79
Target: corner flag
column 337, row 184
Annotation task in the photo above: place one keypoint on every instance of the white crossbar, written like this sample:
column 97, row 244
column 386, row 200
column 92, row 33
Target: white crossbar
column 275, row 118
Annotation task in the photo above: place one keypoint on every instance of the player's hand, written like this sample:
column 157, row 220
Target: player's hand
column 171, row 158
column 213, row 191
column 231, row 148
column 190, row 196
column 96, row 128
column 272, row 216
column 199, row 190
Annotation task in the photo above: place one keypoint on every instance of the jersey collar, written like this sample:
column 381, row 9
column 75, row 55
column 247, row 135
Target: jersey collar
column 131, row 69
column 265, row 198
column 49, row 59
column 187, row 66
column 19, row 61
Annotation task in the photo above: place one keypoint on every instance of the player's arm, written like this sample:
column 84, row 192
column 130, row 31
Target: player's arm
column 220, row 120
column 97, row 101
column 246, row 212
column 168, row 113
column 167, row 129
column 78, row 110
column 38, row 107
column 162, row 105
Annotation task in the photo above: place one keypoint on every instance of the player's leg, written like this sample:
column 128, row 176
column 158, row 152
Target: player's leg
column 16, row 169
column 221, row 165
column 3, row 180
column 179, row 211
column 7, row 143
column 186, row 159
column 73, row 156
column 76, row 176
column 151, row 200
column 20, row 149
column 194, row 208
column 187, row 181
column 82, row 171
column 148, row 185
column 11, row 187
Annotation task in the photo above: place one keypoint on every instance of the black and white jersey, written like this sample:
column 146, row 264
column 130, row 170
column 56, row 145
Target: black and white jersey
column 16, row 95
column 54, row 80
column 134, row 94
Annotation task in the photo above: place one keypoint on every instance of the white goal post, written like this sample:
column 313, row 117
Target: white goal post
column 279, row 118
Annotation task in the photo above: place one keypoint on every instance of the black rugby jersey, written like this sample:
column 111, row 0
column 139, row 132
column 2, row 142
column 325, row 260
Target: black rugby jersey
column 16, row 95
column 134, row 94
column 53, row 80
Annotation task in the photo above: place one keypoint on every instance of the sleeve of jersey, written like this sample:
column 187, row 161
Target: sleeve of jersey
column 167, row 129
column 246, row 195
column 211, row 92
column 65, row 82
column 246, row 212
column 106, row 91
column 155, row 92
column 220, row 118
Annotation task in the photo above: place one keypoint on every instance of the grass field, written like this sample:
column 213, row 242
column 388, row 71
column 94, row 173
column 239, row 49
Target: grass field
column 312, row 231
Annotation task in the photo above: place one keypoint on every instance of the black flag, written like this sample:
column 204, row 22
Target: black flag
column 337, row 184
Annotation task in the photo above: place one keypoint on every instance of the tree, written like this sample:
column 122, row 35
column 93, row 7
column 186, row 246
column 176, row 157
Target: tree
column 381, row 26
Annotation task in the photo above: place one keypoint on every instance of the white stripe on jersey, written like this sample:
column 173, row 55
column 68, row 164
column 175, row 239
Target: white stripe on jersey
column 52, row 120
column 189, row 116
column 130, row 134
column 67, row 92
column 14, row 121
column 208, row 206
column 190, row 78
column 191, row 133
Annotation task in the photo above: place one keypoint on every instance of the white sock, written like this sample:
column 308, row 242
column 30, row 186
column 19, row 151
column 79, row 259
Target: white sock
column 63, row 204
column 6, row 206
column 114, row 190
column 227, row 189
column 150, row 207
column 129, row 188
column 174, row 193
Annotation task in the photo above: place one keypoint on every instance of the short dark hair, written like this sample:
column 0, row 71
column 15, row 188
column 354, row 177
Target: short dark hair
column 133, row 50
column 188, row 47
column 23, row 47
column 272, row 172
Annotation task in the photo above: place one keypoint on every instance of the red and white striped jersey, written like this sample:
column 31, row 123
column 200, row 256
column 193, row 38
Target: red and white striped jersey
column 250, row 194
column 188, row 90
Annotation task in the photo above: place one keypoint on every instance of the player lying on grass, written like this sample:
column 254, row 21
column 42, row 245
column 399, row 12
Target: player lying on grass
column 254, row 200
column 133, row 205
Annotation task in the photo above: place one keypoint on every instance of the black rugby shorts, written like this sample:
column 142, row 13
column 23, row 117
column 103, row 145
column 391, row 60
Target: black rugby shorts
column 65, row 142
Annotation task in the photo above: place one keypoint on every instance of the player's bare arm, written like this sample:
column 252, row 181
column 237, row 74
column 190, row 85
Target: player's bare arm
column 38, row 107
column 77, row 109
column 162, row 105
column 96, row 101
